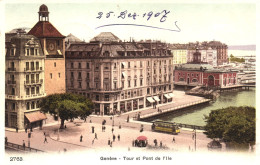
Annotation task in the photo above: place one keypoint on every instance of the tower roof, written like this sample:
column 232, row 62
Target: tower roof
column 45, row 29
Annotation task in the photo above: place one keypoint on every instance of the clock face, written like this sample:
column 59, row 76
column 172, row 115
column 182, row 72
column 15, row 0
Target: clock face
column 51, row 46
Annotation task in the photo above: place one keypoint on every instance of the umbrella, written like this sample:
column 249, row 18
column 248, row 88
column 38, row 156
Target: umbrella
column 142, row 138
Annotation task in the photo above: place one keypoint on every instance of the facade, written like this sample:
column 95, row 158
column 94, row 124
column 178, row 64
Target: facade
column 120, row 76
column 24, row 81
column 53, row 45
column 180, row 53
column 198, row 73
column 208, row 55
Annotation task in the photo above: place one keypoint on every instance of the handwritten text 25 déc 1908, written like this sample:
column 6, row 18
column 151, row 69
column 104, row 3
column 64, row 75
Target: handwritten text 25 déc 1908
column 125, row 14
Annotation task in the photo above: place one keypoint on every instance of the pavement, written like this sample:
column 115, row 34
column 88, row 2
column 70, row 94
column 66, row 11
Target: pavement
column 69, row 138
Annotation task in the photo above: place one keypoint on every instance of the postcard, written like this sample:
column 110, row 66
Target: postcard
column 113, row 82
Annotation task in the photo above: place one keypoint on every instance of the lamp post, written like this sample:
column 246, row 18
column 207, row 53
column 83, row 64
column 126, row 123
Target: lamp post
column 194, row 138
column 29, row 136
column 58, row 137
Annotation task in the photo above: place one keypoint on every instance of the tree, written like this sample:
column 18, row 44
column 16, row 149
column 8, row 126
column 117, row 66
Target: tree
column 232, row 124
column 67, row 106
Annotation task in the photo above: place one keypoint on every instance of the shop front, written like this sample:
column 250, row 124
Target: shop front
column 34, row 119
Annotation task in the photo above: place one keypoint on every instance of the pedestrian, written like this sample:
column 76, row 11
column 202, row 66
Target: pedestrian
column 160, row 143
column 65, row 150
column 114, row 137
column 127, row 118
column 189, row 148
column 25, row 129
column 29, row 134
column 93, row 129
column 65, row 126
column 45, row 140
column 112, row 129
column 93, row 141
column 81, row 137
column 44, row 134
column 90, row 121
column 108, row 142
column 133, row 143
column 158, row 110
column 23, row 145
column 118, row 137
column 16, row 129
column 95, row 135
column 6, row 140
column 104, row 128
column 85, row 119
column 173, row 139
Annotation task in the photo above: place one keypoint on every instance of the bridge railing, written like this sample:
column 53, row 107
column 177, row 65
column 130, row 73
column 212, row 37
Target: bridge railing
column 20, row 147
column 171, row 109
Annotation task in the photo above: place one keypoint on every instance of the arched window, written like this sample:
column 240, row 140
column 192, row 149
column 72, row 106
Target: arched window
column 194, row 80
column 181, row 79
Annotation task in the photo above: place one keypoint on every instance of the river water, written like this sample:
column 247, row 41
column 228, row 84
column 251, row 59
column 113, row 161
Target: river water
column 195, row 116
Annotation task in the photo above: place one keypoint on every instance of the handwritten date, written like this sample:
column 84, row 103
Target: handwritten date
column 125, row 14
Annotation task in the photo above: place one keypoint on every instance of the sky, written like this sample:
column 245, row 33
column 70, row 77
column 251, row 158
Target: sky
column 231, row 23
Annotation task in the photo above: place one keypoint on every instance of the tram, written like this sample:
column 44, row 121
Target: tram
column 164, row 126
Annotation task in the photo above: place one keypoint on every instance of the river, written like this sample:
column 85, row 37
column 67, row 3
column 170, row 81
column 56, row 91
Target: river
column 195, row 116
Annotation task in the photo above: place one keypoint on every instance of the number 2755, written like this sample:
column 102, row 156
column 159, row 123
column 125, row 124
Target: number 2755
column 16, row 158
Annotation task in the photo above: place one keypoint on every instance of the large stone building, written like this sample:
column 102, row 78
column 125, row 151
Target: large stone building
column 120, row 76
column 24, row 80
column 180, row 53
column 199, row 73
column 53, row 45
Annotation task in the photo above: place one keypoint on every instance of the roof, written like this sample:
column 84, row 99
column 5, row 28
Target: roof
column 45, row 29
column 35, row 116
column 72, row 38
column 105, row 37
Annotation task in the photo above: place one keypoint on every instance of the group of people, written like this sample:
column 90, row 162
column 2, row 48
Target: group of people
column 139, row 143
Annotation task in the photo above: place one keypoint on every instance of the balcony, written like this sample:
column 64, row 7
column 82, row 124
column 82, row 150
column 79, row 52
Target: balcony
column 33, row 82
column 12, row 69
column 33, row 69
column 105, row 90
column 11, row 82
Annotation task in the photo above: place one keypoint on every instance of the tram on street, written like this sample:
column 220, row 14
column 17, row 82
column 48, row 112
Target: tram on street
column 164, row 126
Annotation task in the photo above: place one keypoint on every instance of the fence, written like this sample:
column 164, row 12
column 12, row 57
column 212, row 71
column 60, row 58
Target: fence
column 20, row 147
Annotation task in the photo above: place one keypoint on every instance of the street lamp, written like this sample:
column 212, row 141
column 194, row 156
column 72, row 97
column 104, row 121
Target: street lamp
column 58, row 137
column 29, row 136
column 194, row 137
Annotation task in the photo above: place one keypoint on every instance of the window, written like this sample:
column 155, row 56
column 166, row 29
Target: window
column 79, row 75
column 58, row 43
column 148, row 90
column 37, row 90
column 97, row 97
column 51, row 75
column 54, row 64
column 87, row 75
column 164, row 88
column 28, row 106
column 114, row 65
column 141, row 82
column 79, row 84
column 27, row 79
column 87, row 84
column 33, row 90
column 27, row 52
column 27, row 65
column 154, row 90
column 33, row 105
column 36, row 52
column 129, row 83
column 87, row 65
column 170, row 87
column 32, row 65
column 79, row 65
column 135, row 83
column 12, row 52
column 27, row 91
column 106, row 97
column 37, row 65
column 115, row 85
column 141, row 64
column 13, row 91
column 129, row 65
column 37, row 104
column 72, row 65
column 148, row 63
column 59, row 75
column 32, row 51
column 72, row 75
column 37, row 77
column 13, row 106
column 154, row 71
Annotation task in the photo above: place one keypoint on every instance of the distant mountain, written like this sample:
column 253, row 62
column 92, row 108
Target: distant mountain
column 242, row 47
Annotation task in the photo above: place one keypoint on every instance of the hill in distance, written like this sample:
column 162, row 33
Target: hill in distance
column 242, row 47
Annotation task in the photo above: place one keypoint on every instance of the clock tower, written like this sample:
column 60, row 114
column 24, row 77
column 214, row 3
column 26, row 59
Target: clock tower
column 53, row 44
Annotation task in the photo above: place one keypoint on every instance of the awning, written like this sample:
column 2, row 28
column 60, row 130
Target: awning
column 35, row 116
column 59, row 52
column 171, row 94
column 167, row 96
column 150, row 99
column 156, row 98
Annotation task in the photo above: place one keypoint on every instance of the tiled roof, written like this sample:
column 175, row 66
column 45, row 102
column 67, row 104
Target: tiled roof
column 72, row 38
column 105, row 37
column 45, row 29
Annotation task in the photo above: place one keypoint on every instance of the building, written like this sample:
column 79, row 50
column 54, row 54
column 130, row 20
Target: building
column 53, row 45
column 72, row 39
column 222, row 51
column 198, row 73
column 24, row 81
column 120, row 76
column 180, row 53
